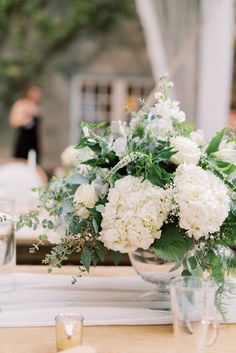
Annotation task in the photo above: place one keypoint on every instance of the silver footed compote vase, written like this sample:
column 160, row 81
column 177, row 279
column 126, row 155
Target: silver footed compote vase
column 156, row 271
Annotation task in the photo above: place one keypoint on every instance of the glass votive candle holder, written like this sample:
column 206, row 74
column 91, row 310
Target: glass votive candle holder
column 69, row 331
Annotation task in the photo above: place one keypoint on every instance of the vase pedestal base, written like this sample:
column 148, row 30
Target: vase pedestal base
column 156, row 300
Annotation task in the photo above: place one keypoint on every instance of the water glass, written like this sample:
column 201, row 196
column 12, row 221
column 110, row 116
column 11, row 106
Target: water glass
column 193, row 311
column 7, row 245
column 69, row 331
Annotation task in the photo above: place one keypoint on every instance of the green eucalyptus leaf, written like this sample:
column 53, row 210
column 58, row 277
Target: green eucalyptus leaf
column 95, row 225
column 116, row 256
column 94, row 125
column 67, row 206
column 101, row 251
column 50, row 225
column 95, row 259
column 77, row 179
column 97, row 217
column 223, row 167
column 215, row 142
column 86, row 258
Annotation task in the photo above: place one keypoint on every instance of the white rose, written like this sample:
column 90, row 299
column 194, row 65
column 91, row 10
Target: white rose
column 202, row 200
column 85, row 197
column 68, row 156
column 197, row 137
column 187, row 150
column 227, row 152
column 72, row 157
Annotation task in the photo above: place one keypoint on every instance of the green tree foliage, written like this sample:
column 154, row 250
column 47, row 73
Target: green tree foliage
column 33, row 31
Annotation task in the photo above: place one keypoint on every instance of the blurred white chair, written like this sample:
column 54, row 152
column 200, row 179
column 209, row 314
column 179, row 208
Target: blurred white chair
column 17, row 178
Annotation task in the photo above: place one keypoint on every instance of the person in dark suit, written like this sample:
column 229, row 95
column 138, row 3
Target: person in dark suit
column 25, row 118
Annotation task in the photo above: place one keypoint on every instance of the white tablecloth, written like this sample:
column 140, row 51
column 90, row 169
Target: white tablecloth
column 37, row 299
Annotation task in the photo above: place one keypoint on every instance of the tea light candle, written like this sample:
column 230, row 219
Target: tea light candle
column 69, row 331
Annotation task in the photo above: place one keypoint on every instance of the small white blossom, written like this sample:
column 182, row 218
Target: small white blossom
column 168, row 109
column 119, row 146
column 86, row 131
column 159, row 96
column 118, row 129
column 153, row 127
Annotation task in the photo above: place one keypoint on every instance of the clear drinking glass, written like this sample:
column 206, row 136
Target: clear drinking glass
column 69, row 331
column 7, row 245
column 193, row 310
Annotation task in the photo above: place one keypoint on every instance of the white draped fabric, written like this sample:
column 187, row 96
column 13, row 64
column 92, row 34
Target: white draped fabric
column 101, row 300
column 193, row 41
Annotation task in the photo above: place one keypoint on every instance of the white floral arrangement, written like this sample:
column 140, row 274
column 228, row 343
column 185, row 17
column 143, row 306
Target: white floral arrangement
column 153, row 183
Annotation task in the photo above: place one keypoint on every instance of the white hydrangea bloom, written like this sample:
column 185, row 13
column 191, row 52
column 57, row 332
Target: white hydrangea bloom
column 72, row 157
column 134, row 214
column 85, row 197
column 227, row 152
column 187, row 150
column 202, row 199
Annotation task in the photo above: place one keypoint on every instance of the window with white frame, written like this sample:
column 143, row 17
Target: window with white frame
column 97, row 99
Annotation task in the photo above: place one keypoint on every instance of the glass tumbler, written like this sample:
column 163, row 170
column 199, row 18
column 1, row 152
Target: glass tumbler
column 193, row 311
column 7, row 246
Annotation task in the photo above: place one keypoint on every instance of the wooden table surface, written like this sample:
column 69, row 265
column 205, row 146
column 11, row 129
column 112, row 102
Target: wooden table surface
column 106, row 339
